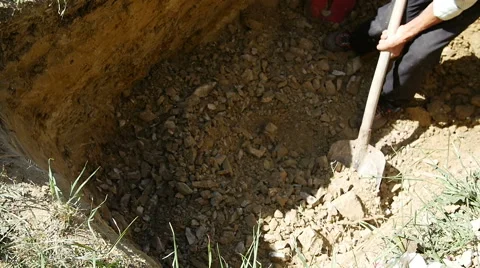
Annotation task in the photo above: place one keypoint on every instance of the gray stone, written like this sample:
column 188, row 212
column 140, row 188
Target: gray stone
column 278, row 214
column 323, row 65
column 240, row 247
column 338, row 73
column 183, row 188
column 227, row 237
column 354, row 84
column 227, row 168
column 125, row 200
column 349, row 206
column 292, row 163
column 250, row 220
column 273, row 224
column 325, row 118
column 189, row 141
column 291, row 216
column 310, row 240
column 200, row 232
column 280, row 151
column 267, row 97
column 257, row 152
column 147, row 115
column 268, row 164
column 207, row 184
column 413, row 260
column 354, row 65
column 270, row 128
column 248, row 75
column 305, row 44
column 310, row 199
column 204, row 90
column 280, row 244
column 140, row 210
column 278, row 257
column 330, row 87
column 190, row 236
column 466, row 259
column 323, row 162
column 169, row 125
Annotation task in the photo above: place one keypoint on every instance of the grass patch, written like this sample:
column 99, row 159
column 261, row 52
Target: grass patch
column 19, row 4
column 249, row 258
column 42, row 227
column 442, row 229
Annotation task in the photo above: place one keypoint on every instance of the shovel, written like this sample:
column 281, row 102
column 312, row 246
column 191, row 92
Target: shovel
column 367, row 160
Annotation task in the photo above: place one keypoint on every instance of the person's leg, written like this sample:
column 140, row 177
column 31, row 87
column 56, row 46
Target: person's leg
column 410, row 70
column 366, row 36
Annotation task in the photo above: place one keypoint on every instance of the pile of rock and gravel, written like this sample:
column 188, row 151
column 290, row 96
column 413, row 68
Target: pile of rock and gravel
column 237, row 132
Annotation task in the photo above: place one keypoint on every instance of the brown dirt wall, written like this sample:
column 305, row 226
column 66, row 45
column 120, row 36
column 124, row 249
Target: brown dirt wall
column 61, row 74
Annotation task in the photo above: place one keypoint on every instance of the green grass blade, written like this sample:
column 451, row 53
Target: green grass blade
column 175, row 255
column 91, row 217
column 75, row 195
column 120, row 237
column 209, row 249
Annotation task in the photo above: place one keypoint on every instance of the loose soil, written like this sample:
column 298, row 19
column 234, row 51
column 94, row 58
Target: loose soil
column 238, row 131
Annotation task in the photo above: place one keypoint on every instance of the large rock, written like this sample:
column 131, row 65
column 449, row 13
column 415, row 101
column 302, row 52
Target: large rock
column 310, row 240
column 349, row 206
column 474, row 41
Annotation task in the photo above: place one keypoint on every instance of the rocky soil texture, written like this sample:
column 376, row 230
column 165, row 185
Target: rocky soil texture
column 237, row 132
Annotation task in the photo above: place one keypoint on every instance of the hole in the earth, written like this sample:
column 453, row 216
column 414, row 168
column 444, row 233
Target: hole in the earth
column 217, row 139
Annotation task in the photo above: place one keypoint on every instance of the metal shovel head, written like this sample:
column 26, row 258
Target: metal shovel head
column 367, row 160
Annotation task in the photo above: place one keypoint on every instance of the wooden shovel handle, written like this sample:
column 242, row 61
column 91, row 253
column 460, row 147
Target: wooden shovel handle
column 379, row 76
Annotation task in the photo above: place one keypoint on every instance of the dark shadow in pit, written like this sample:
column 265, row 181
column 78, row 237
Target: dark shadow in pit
column 199, row 155
column 14, row 166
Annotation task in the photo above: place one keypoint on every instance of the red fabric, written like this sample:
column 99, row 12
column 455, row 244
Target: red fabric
column 339, row 9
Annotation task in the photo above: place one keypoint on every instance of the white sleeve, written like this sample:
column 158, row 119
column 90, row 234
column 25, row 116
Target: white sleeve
column 449, row 9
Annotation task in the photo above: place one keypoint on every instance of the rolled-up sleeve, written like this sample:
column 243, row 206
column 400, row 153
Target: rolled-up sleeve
column 449, row 9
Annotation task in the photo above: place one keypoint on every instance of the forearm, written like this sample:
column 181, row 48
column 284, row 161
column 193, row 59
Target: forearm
column 425, row 20
column 435, row 13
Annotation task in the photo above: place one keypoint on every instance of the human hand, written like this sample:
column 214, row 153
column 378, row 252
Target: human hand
column 393, row 43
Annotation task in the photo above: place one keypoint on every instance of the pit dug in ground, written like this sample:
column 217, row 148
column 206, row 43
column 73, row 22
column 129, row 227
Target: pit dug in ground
column 236, row 133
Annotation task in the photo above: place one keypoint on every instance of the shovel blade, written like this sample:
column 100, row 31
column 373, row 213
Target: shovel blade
column 367, row 161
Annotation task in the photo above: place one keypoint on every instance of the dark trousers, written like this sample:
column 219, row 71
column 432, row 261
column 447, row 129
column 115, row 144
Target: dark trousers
column 419, row 56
